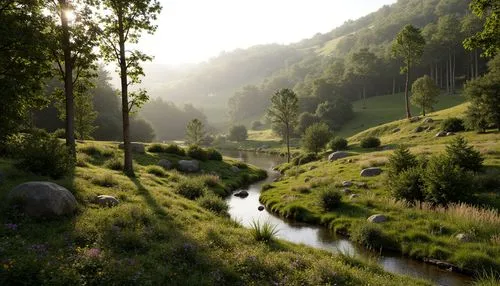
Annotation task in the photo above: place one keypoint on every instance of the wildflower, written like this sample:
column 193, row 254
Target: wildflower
column 93, row 252
column 11, row 226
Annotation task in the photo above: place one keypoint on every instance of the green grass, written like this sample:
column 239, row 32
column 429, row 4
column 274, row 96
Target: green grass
column 155, row 236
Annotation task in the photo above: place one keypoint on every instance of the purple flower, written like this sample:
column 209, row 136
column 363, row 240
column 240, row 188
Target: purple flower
column 40, row 249
column 11, row 226
column 93, row 252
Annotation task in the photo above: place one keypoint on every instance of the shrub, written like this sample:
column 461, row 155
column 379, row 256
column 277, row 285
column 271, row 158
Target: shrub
column 210, row 180
column 408, row 185
column 370, row 142
column 370, row 236
column 214, row 154
column 452, row 124
column 304, row 158
column 191, row 189
column 445, row 182
column 44, row 154
column 256, row 125
column 59, row 133
column 238, row 133
column 213, row 203
column 316, row 137
column 330, row 198
column 266, row 187
column 306, row 119
column 174, row 149
column 115, row 164
column 337, row 144
column 156, row 170
column 402, row 159
column 263, row 231
column 463, row 155
column 196, row 152
column 106, row 180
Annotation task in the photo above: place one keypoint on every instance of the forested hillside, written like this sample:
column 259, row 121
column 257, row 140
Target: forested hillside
column 352, row 61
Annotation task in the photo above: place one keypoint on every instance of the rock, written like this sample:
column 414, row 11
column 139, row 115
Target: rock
column 450, row 133
column 353, row 196
column 428, row 120
column 464, row 237
column 235, row 169
column 43, row 199
column 106, row 201
column 377, row 218
column 440, row 134
column 346, row 183
column 337, row 155
column 396, row 130
column 362, row 185
column 414, row 119
column 165, row 164
column 189, row 166
column 312, row 168
column 419, row 129
column 260, row 208
column 370, row 172
column 347, row 191
column 241, row 194
column 136, row 147
column 307, row 179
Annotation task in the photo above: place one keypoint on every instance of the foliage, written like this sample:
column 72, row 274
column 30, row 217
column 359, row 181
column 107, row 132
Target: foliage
column 156, row 170
column 338, row 143
column 369, row 235
column 489, row 38
column 141, row 130
column 174, row 149
column 408, row 185
column 195, row 131
column 370, row 142
column 214, row 155
column 424, row 93
column 452, row 124
column 316, row 137
column 238, row 133
column 256, row 125
column 335, row 112
column 401, row 160
column 464, row 155
column 265, row 232
column 44, row 154
column 306, row 119
column 213, row 203
column 304, row 158
column 115, row 164
column 196, row 152
column 330, row 198
column 191, row 189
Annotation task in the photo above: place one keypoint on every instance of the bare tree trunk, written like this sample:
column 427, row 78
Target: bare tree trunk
column 453, row 74
column 128, row 165
column 447, row 78
column 364, row 97
column 288, row 142
column 68, row 80
column 408, row 65
column 476, row 64
column 393, row 85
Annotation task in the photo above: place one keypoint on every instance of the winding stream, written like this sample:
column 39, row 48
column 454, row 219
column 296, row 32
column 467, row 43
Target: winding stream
column 245, row 210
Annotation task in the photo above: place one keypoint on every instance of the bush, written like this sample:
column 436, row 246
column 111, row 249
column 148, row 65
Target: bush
column 256, row 125
column 115, row 164
column 463, row 155
column 306, row 119
column 174, row 149
column 263, row 231
column 59, row 133
column 214, row 154
column 214, row 204
column 45, row 155
column 196, row 152
column 337, row 144
column 238, row 133
column 452, row 124
column 191, row 189
column 316, row 137
column 370, row 236
column 156, row 148
column 304, row 158
column 330, row 198
column 370, row 142
column 402, row 159
column 156, row 170
column 408, row 185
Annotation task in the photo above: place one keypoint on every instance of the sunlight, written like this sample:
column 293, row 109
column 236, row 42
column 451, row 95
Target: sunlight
column 70, row 15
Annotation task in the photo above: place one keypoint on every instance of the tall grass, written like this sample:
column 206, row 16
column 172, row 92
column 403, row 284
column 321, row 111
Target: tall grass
column 263, row 231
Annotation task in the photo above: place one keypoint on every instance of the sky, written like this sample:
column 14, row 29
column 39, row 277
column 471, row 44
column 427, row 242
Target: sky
column 192, row 31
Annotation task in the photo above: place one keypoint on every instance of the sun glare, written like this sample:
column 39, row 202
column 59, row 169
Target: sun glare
column 70, row 15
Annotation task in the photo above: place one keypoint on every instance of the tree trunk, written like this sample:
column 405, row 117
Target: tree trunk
column 437, row 75
column 447, row 78
column 288, row 142
column 393, row 85
column 423, row 110
column 128, row 166
column 408, row 113
column 364, row 97
column 453, row 82
column 68, row 80
column 476, row 64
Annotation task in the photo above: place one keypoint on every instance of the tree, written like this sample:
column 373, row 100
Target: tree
column 85, row 115
column 238, row 133
column 123, row 23
column 306, row 119
column 284, row 112
column 489, row 38
column 408, row 45
column 141, row 130
column 448, row 35
column 316, row 137
column 195, row 131
column 464, row 155
column 335, row 112
column 363, row 65
column 424, row 93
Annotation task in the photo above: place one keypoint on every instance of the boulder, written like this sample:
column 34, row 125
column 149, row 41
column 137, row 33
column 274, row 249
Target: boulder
column 353, row 196
column 43, row 199
column 106, row 201
column 414, row 119
column 450, row 133
column 346, row 191
column 396, row 130
column 464, row 237
column 260, row 208
column 419, row 129
column 136, row 147
column 346, row 183
column 362, row 185
column 312, row 168
column 235, row 169
column 165, row 164
column 377, row 218
column 241, row 194
column 189, row 166
column 428, row 120
column 337, row 155
column 441, row 134
column 370, row 172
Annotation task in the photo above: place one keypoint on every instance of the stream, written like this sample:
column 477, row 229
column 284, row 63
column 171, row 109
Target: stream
column 245, row 211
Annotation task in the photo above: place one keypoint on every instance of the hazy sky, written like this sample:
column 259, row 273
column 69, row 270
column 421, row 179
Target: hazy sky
column 191, row 31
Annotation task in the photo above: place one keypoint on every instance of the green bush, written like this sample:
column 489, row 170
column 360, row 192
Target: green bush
column 214, row 154
column 59, row 133
column 402, row 159
column 238, row 133
column 452, row 124
column 191, row 189
column 370, row 236
column 45, row 155
column 156, row 148
column 304, row 158
column 330, row 198
column 174, row 149
column 338, row 143
column 196, row 152
column 316, row 137
column 213, row 203
column 115, row 164
column 370, row 142
column 156, row 170
column 463, row 155
column 256, row 125
column 241, row 165
column 408, row 185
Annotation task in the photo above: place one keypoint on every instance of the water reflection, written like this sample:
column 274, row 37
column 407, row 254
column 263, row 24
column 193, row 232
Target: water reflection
column 245, row 210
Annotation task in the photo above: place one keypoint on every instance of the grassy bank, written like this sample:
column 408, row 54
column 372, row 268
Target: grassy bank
column 156, row 236
column 422, row 231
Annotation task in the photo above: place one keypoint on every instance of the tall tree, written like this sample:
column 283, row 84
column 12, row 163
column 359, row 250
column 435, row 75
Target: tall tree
column 448, row 35
column 424, row 93
column 408, row 45
column 123, row 23
column 489, row 38
column 362, row 65
column 74, row 38
column 195, row 131
column 283, row 112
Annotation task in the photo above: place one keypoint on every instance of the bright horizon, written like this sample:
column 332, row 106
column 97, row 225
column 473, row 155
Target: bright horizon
column 193, row 31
